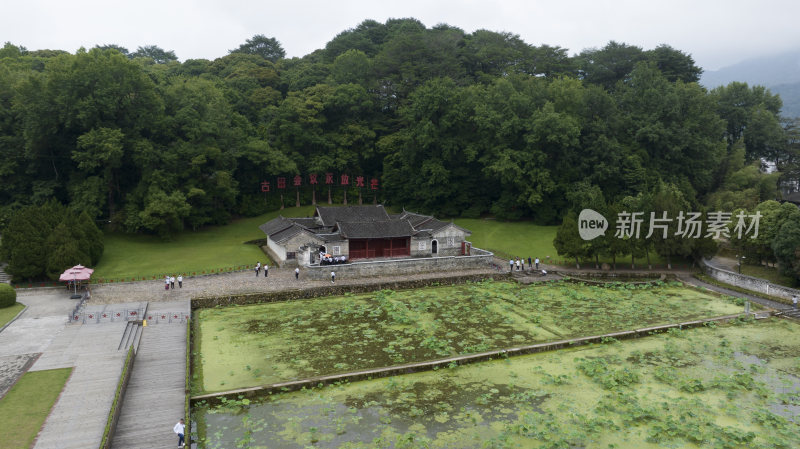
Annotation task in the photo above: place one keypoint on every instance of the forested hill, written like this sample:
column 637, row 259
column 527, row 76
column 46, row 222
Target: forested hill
column 447, row 122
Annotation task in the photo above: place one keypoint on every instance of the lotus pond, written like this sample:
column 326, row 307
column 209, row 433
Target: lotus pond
column 245, row 346
column 732, row 386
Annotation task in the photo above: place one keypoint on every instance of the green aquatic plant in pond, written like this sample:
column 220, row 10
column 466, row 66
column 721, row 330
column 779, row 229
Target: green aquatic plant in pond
column 301, row 339
column 522, row 402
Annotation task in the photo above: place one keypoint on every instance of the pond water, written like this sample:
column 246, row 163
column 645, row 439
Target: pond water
column 247, row 346
column 733, row 386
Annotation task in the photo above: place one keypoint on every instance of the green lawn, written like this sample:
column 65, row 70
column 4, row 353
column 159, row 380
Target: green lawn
column 512, row 238
column 127, row 255
column 7, row 313
column 525, row 239
column 26, row 406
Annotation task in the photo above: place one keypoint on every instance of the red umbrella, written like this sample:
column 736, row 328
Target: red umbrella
column 75, row 274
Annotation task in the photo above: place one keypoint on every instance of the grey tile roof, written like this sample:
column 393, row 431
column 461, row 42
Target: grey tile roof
column 310, row 223
column 332, row 215
column 275, row 225
column 375, row 229
column 286, row 234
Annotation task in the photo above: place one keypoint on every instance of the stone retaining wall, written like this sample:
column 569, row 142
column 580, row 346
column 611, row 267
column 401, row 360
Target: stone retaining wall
column 335, row 290
column 397, row 267
column 749, row 282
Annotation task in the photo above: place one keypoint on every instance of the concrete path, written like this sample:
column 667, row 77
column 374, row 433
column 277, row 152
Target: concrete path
column 79, row 416
column 154, row 400
column 240, row 282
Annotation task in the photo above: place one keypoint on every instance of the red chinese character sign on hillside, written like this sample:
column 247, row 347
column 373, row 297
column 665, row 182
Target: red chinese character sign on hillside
column 328, row 182
column 298, row 180
column 359, row 184
column 314, row 179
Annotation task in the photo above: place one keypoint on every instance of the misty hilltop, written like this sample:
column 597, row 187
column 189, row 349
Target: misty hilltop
column 780, row 73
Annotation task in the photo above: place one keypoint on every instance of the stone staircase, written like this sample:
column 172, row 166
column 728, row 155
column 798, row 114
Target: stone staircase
column 790, row 312
column 131, row 336
column 4, row 277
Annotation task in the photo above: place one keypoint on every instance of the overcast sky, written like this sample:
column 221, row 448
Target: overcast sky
column 717, row 33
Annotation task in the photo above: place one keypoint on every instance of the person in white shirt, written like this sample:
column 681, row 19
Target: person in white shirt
column 179, row 429
column 166, row 282
column 172, row 282
column 297, row 273
column 333, row 277
column 266, row 270
column 537, row 263
column 180, row 281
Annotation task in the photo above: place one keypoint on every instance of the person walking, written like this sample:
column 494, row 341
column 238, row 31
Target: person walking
column 258, row 268
column 510, row 264
column 166, row 282
column 180, row 428
column 537, row 263
column 333, row 277
column 172, row 282
column 180, row 281
column 297, row 273
column 266, row 270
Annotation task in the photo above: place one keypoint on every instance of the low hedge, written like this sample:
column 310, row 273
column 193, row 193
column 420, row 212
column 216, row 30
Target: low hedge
column 8, row 296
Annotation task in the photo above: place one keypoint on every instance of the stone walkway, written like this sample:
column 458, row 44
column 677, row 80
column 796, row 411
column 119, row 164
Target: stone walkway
column 154, row 399
column 78, row 418
column 236, row 283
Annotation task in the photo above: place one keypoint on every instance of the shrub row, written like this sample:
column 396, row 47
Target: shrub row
column 8, row 296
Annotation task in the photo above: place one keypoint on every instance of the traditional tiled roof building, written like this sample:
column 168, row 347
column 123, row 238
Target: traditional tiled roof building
column 362, row 232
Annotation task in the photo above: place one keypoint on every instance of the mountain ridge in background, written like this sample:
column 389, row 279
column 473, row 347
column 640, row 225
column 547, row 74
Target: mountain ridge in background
column 780, row 73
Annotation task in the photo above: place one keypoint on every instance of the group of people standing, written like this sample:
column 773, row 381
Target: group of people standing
column 258, row 268
column 519, row 263
column 169, row 282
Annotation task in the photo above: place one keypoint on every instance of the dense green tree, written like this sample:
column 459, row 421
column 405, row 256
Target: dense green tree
column 787, row 248
column 155, row 54
column 267, row 47
column 674, row 64
column 610, row 64
column 568, row 243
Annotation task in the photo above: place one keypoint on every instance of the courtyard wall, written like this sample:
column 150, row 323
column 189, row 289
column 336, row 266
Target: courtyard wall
column 393, row 267
column 749, row 282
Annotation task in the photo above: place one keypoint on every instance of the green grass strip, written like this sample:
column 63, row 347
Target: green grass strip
column 105, row 442
column 26, row 406
column 8, row 313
